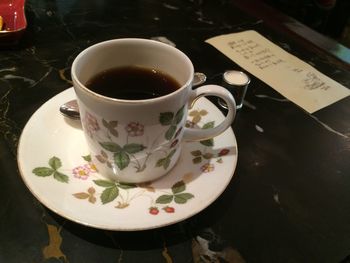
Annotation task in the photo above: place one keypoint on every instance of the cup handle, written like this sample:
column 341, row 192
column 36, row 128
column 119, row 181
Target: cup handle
column 211, row 90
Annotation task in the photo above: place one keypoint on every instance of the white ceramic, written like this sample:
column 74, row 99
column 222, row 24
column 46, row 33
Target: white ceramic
column 55, row 165
column 140, row 140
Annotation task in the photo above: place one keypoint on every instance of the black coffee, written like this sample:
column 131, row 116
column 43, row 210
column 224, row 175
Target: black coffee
column 132, row 83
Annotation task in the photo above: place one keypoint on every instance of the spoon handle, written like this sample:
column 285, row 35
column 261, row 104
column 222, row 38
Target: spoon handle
column 70, row 109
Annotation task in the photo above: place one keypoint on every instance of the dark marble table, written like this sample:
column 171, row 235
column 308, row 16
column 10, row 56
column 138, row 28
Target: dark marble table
column 289, row 200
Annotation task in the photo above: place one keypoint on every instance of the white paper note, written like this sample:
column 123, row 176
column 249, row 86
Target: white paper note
column 288, row 75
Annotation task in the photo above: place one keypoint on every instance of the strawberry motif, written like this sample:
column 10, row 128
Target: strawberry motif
column 169, row 209
column 173, row 144
column 153, row 210
column 178, row 132
column 223, row 152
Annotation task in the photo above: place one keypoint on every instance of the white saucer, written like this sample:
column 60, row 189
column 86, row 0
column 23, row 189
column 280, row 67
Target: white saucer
column 54, row 147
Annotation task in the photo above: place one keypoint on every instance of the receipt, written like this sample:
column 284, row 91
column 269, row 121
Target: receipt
column 293, row 78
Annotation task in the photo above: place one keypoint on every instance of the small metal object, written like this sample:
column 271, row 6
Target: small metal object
column 237, row 83
column 198, row 78
column 71, row 109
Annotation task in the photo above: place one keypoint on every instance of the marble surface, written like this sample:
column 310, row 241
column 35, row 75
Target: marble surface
column 289, row 200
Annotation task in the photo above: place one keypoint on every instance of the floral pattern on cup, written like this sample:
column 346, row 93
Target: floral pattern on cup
column 171, row 119
column 134, row 129
column 91, row 124
column 121, row 156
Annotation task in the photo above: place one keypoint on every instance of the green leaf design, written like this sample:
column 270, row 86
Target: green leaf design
column 126, row 186
column 182, row 198
column 178, row 187
column 87, row 158
column 55, row 163
column 114, row 132
column 166, row 163
column 160, row 162
column 122, row 159
column 197, row 160
column 164, row 199
column 209, row 142
column 104, row 183
column 113, row 124
column 109, row 194
column 61, row 177
column 208, row 156
column 196, row 153
column 168, row 159
column 111, row 127
column 166, row 118
column 43, row 171
column 105, row 123
column 171, row 153
column 111, row 147
column 170, row 132
column 208, row 125
column 133, row 148
column 179, row 115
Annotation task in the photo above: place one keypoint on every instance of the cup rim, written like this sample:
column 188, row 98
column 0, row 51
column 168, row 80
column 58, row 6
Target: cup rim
column 82, row 87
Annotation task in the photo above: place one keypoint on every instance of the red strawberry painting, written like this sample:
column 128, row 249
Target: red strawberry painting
column 153, row 210
column 169, row 209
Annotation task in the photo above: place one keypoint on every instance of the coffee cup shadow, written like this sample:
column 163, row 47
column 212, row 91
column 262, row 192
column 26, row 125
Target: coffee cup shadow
column 75, row 124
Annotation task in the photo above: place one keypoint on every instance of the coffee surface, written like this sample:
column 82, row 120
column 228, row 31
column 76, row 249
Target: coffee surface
column 132, row 83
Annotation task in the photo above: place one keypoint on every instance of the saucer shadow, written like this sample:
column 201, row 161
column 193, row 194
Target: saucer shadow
column 121, row 240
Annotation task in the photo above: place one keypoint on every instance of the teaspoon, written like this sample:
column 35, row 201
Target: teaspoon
column 70, row 109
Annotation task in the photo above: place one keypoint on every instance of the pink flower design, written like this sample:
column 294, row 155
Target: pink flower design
column 83, row 171
column 207, row 168
column 90, row 124
column 134, row 129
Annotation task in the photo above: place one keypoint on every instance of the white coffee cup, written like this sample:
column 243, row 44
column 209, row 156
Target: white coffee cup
column 136, row 141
